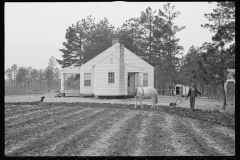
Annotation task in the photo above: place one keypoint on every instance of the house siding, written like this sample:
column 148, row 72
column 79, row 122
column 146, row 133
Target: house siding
column 134, row 60
column 100, row 65
column 102, row 87
column 86, row 89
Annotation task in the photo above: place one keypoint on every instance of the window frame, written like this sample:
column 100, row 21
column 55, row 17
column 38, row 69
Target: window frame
column 111, row 78
column 111, row 62
column 87, row 80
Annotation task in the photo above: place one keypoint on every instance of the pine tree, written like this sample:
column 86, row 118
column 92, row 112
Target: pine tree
column 171, row 42
column 218, row 56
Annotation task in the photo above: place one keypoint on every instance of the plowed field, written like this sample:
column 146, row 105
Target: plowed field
column 94, row 129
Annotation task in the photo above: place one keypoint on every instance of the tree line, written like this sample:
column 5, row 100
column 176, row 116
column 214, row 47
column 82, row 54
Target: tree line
column 152, row 37
column 32, row 79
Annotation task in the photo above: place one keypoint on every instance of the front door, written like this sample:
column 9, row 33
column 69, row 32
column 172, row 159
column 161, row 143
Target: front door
column 131, row 83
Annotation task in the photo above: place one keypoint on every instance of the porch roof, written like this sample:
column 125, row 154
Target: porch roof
column 75, row 70
column 130, row 68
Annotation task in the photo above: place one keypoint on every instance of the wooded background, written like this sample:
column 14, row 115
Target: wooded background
column 152, row 37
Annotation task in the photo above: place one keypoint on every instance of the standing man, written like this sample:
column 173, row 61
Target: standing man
column 193, row 94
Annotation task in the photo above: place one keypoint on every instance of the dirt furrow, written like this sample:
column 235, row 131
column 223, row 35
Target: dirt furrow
column 32, row 120
column 41, row 137
column 219, row 138
column 101, row 146
column 19, row 110
column 123, row 141
column 226, row 131
column 156, row 141
column 206, row 143
column 209, row 140
column 23, row 115
column 140, row 143
column 10, row 107
column 179, row 149
column 84, row 137
column 44, row 122
column 32, row 129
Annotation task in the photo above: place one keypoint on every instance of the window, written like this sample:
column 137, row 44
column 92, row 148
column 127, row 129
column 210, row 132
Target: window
column 145, row 79
column 111, row 60
column 87, row 79
column 110, row 77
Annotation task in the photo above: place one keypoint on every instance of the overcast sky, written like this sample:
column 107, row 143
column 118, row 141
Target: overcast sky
column 35, row 31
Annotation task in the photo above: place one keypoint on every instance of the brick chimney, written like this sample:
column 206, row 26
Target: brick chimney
column 121, row 70
column 114, row 41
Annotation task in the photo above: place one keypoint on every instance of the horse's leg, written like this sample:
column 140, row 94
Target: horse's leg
column 154, row 104
column 135, row 102
column 152, row 98
column 141, row 102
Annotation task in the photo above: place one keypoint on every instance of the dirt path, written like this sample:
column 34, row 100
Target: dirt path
column 99, row 131
column 204, row 104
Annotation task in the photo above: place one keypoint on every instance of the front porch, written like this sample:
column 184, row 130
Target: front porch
column 70, row 93
column 72, row 87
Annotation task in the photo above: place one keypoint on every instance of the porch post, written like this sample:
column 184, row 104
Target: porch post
column 140, row 76
column 62, row 81
column 136, row 80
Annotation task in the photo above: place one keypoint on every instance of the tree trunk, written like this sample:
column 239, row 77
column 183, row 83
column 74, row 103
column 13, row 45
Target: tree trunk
column 150, row 42
column 159, row 74
column 203, row 88
column 224, row 96
column 40, row 85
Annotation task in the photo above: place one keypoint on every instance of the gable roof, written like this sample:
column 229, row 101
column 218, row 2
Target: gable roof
column 100, row 56
column 112, row 50
column 129, row 66
column 135, row 56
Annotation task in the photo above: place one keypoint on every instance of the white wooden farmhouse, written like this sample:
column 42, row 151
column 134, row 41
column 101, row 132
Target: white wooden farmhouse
column 114, row 72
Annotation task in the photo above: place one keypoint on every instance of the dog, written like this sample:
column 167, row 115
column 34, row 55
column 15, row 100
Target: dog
column 41, row 100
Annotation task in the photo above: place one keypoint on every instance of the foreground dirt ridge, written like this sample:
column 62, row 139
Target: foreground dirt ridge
column 88, row 131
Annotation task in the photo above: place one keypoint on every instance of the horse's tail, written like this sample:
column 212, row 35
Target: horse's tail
column 156, row 98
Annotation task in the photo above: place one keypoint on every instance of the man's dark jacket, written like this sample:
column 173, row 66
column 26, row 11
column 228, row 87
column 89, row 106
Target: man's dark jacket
column 195, row 90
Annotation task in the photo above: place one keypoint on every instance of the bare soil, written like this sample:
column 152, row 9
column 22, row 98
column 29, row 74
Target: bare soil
column 105, row 129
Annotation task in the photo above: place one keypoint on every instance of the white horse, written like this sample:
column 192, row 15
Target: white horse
column 146, row 93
